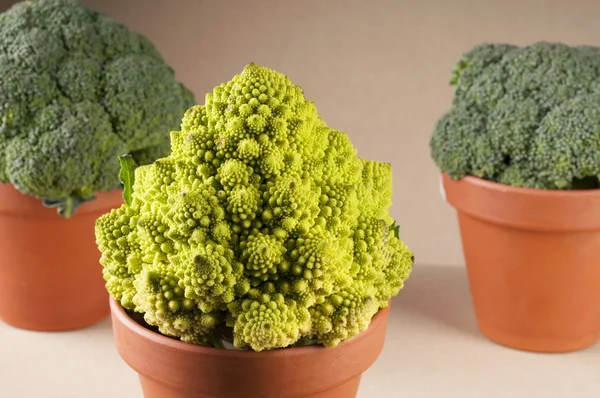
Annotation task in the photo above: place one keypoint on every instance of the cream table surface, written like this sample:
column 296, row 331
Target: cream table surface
column 433, row 349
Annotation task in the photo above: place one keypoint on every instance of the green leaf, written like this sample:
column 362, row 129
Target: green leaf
column 127, row 176
column 396, row 229
column 66, row 207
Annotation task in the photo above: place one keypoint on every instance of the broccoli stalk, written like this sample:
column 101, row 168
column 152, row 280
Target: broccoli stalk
column 78, row 89
column 262, row 221
column 67, row 206
column 526, row 117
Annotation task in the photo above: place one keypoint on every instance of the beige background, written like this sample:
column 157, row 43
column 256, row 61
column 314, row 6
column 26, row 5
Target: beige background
column 376, row 69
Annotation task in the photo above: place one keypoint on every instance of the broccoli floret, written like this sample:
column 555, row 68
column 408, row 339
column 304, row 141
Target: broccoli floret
column 523, row 116
column 566, row 148
column 481, row 60
column 550, row 73
column 262, row 219
column 79, row 89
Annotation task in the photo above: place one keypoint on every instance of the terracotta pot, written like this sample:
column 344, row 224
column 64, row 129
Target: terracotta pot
column 533, row 263
column 50, row 277
column 169, row 368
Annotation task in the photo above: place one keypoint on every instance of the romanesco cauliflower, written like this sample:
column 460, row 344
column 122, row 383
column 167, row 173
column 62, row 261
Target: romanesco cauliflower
column 262, row 219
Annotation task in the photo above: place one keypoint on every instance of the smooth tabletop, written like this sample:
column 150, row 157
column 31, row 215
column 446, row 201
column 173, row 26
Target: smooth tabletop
column 433, row 349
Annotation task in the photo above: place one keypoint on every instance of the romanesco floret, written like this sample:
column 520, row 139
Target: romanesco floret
column 78, row 90
column 262, row 219
column 523, row 116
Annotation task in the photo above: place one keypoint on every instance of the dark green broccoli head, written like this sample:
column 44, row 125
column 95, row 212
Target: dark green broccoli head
column 79, row 89
column 523, row 116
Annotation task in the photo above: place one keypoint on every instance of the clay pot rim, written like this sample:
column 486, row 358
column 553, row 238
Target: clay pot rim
column 524, row 208
column 178, row 345
column 505, row 188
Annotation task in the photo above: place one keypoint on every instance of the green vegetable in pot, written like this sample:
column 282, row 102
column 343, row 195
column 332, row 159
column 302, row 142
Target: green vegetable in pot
column 79, row 89
column 263, row 221
column 523, row 116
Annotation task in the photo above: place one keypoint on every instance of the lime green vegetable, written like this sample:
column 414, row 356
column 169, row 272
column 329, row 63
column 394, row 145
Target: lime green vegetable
column 263, row 220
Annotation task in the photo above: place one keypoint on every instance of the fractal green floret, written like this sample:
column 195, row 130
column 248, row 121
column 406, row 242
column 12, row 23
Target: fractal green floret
column 79, row 89
column 524, row 116
column 263, row 222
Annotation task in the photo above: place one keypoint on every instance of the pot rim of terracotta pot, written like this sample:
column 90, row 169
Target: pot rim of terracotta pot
column 175, row 365
column 524, row 208
column 161, row 339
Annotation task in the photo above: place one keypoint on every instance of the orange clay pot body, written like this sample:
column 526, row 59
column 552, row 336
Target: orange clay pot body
column 50, row 277
column 533, row 263
column 169, row 368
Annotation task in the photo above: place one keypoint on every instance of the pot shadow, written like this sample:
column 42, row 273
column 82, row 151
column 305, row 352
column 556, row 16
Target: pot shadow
column 439, row 293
